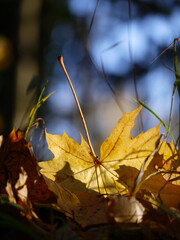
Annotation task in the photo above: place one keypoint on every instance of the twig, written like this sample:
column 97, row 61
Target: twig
column 60, row 59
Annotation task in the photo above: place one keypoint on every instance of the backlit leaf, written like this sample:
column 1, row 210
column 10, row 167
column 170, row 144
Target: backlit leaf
column 75, row 167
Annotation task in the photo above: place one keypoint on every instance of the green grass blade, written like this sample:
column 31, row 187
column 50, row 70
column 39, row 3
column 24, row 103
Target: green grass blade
column 150, row 110
column 151, row 175
column 166, row 209
column 36, row 107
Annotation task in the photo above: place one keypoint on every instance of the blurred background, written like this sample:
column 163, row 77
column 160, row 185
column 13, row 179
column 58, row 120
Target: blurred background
column 107, row 46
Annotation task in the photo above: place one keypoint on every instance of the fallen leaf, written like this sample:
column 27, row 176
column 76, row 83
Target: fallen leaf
column 21, row 187
column 124, row 209
column 1, row 140
column 15, row 154
column 162, row 224
column 153, row 180
column 67, row 202
column 91, row 210
column 76, row 168
column 10, row 193
column 171, row 161
column 18, row 194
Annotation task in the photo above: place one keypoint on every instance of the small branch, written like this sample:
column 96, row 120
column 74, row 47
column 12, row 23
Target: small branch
column 60, row 59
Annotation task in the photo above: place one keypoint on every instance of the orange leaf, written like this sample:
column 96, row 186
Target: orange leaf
column 158, row 183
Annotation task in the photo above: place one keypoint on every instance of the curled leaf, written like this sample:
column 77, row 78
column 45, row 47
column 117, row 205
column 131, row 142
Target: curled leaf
column 124, row 209
column 10, row 192
column 21, row 186
column 16, row 155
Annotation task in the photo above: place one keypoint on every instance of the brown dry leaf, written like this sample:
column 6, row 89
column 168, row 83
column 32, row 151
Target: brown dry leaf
column 157, row 184
column 10, row 193
column 162, row 224
column 15, row 154
column 21, row 187
column 124, row 209
column 23, row 181
column 75, row 167
column 1, row 140
column 92, row 209
column 18, row 194
column 67, row 202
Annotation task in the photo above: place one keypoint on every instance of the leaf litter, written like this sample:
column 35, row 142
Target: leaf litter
column 132, row 188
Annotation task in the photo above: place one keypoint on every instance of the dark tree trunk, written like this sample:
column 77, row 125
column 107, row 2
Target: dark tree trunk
column 9, row 18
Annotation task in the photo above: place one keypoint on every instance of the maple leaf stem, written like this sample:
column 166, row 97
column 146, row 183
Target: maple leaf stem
column 60, row 59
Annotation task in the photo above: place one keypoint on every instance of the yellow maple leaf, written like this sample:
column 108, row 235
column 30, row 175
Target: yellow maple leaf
column 75, row 167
